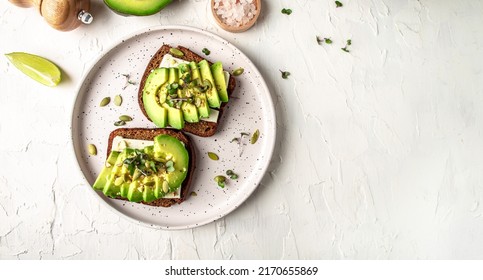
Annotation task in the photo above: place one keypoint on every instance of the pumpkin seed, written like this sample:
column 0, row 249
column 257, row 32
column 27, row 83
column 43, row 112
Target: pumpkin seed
column 136, row 174
column 165, row 187
column 105, row 101
column 255, row 136
column 213, row 156
column 92, row 149
column 118, row 181
column 118, row 100
column 220, row 180
column 234, row 177
column 36, row 67
column 119, row 123
column 125, row 118
column 176, row 52
column 194, row 194
column 238, row 72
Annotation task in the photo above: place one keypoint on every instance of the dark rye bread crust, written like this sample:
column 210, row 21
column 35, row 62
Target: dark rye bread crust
column 149, row 134
column 202, row 128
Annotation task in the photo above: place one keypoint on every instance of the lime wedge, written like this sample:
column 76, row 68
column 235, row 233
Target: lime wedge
column 36, row 67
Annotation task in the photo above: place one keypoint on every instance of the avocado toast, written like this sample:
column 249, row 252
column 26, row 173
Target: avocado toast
column 187, row 117
column 149, row 166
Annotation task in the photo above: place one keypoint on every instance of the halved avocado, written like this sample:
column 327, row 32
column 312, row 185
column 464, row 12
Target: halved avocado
column 137, row 7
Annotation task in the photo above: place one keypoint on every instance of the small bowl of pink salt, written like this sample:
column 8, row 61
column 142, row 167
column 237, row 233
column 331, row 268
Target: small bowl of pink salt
column 236, row 15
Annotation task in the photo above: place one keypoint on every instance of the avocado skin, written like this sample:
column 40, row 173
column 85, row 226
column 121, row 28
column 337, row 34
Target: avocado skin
column 137, row 7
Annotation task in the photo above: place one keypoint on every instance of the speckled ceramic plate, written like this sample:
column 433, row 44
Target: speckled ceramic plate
column 249, row 110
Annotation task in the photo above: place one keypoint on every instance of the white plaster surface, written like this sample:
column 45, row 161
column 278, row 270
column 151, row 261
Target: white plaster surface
column 379, row 152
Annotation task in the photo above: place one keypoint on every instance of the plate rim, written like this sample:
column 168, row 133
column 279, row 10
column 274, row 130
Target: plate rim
column 116, row 43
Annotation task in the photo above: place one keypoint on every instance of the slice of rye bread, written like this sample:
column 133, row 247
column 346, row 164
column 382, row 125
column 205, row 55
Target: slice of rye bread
column 149, row 134
column 202, row 128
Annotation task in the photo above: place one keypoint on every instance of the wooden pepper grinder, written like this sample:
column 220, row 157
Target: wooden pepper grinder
column 64, row 15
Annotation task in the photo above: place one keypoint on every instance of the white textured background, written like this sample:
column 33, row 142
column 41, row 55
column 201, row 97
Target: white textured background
column 379, row 152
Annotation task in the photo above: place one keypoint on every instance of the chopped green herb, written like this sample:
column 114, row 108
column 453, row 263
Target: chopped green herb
column 338, row 4
column 235, row 140
column 128, row 81
column 172, row 89
column 232, row 174
column 285, row 74
column 206, row 51
column 169, row 166
column 138, row 164
column 286, row 11
column 348, row 43
column 324, row 40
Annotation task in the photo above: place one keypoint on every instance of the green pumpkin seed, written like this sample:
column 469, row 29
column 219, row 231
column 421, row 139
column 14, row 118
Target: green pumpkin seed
column 92, row 149
column 220, row 180
column 213, row 156
column 255, row 136
column 117, row 100
column 136, row 174
column 119, row 123
column 238, row 72
column 105, row 101
column 194, row 194
column 234, row 177
column 165, row 187
column 119, row 181
column 36, row 67
column 176, row 52
column 125, row 118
